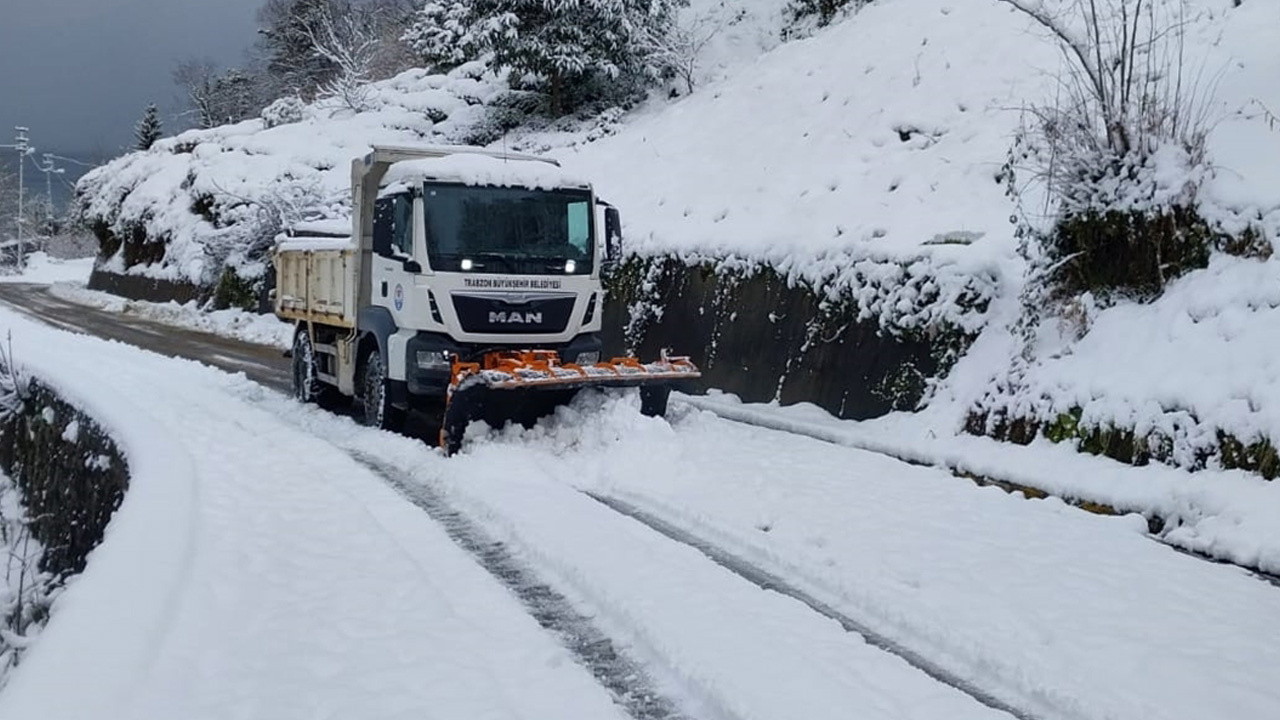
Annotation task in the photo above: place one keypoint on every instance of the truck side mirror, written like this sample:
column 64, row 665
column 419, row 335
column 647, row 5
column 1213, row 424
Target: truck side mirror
column 613, row 235
column 384, row 212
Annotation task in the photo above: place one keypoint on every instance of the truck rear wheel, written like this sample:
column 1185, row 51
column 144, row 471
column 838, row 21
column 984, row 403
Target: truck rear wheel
column 307, row 386
column 378, row 410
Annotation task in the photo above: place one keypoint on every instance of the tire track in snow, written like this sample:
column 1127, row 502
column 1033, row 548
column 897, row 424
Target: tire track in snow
column 629, row 685
column 768, row 581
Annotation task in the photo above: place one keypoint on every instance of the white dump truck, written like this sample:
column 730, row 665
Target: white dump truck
column 467, row 286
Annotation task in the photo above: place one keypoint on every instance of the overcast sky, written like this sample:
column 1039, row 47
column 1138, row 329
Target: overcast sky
column 79, row 73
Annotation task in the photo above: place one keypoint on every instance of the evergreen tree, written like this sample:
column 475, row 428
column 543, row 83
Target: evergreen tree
column 445, row 34
column 148, row 129
column 577, row 51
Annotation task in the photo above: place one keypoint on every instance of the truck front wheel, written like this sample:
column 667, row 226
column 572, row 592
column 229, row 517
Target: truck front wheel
column 378, row 410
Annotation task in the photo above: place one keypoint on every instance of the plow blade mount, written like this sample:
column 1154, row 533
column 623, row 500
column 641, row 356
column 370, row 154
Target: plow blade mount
column 522, row 386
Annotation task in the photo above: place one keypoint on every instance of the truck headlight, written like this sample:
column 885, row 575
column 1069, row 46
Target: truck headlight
column 588, row 358
column 433, row 360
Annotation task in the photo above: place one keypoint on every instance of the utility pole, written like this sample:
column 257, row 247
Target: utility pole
column 47, row 167
column 23, row 144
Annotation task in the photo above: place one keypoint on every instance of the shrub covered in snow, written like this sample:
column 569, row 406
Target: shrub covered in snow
column 804, row 15
column 1121, row 154
column 283, row 111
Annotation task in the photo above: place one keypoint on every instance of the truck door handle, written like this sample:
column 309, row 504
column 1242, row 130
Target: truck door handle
column 384, row 288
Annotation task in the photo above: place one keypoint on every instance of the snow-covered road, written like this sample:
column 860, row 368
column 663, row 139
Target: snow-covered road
column 259, row 569
column 256, row 571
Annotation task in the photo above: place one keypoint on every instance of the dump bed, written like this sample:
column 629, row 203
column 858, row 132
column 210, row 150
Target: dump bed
column 317, row 280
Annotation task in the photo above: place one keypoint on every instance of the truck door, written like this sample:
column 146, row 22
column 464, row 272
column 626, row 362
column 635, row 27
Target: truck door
column 394, row 265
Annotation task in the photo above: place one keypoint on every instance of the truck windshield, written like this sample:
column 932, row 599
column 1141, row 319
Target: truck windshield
column 508, row 230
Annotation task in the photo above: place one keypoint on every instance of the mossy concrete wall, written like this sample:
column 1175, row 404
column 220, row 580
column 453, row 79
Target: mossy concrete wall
column 757, row 335
column 71, row 475
column 137, row 287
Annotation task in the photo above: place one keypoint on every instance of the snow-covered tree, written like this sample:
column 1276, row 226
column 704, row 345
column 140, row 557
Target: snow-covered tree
column 218, row 98
column 445, row 34
column 800, row 13
column 149, row 128
column 331, row 47
column 350, row 44
column 285, row 40
column 677, row 48
column 574, row 50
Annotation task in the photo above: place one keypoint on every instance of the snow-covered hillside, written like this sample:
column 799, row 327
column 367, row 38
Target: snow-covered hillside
column 888, row 130
column 221, row 195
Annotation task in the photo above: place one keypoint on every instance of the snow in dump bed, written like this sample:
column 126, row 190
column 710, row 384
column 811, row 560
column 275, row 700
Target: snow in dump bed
column 256, row 571
column 309, row 243
column 328, row 227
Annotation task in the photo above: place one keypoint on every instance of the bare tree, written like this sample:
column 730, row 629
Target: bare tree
column 218, row 98
column 1125, row 94
column 196, row 77
column 678, row 51
column 351, row 44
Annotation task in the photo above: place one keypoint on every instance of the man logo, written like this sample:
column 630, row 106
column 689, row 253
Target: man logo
column 515, row 318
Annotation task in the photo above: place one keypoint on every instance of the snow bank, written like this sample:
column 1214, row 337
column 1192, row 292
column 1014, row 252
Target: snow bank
column 230, row 323
column 1199, row 361
column 1229, row 515
column 43, row 269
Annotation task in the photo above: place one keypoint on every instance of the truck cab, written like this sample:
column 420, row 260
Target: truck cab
column 458, row 268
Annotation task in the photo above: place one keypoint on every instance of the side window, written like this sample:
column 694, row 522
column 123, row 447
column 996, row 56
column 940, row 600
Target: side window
column 580, row 225
column 402, row 233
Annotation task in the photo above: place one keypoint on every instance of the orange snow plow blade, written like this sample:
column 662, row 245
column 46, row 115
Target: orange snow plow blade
column 522, row 386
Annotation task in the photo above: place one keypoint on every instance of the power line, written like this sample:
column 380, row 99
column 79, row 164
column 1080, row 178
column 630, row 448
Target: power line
column 73, row 161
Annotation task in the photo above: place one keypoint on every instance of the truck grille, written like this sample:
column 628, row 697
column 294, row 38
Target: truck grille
column 494, row 316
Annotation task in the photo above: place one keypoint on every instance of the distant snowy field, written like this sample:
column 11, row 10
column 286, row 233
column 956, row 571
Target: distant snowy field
column 231, row 323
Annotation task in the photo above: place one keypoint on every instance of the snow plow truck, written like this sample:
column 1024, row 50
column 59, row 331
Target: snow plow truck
column 466, row 287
